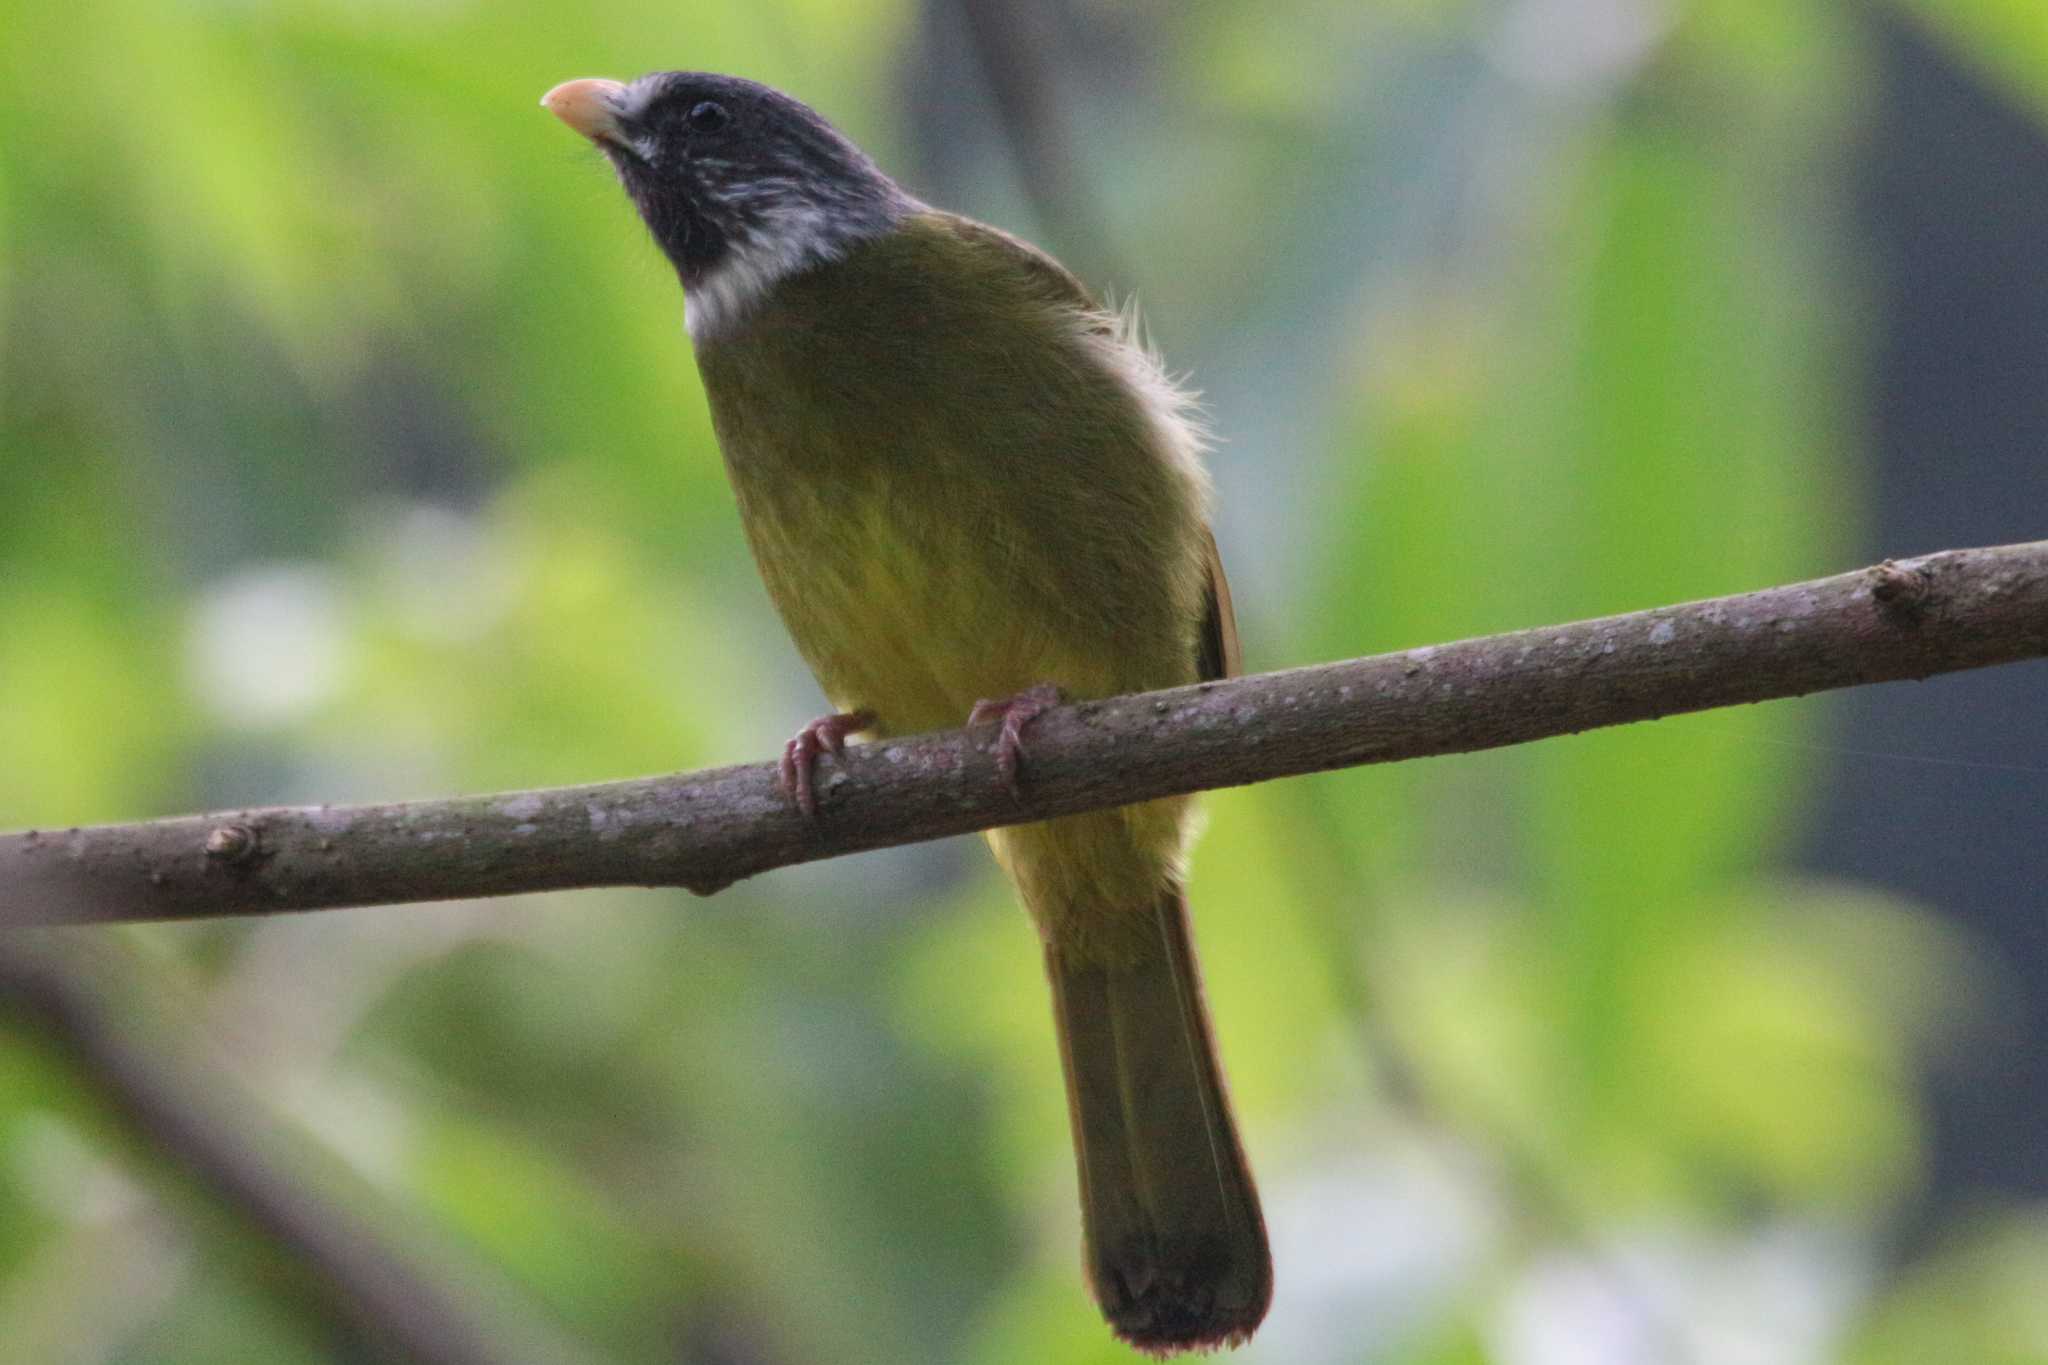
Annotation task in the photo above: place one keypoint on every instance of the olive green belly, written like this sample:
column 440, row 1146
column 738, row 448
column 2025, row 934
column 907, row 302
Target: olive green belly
column 916, row 628
column 917, row 623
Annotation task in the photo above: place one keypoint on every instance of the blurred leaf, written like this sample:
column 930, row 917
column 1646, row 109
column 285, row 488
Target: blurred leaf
column 1975, row 1298
column 2006, row 40
column 217, row 1317
column 553, row 1229
column 83, row 719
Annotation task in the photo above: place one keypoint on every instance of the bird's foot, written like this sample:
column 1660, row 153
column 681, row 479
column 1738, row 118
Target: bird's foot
column 1015, row 713
column 825, row 735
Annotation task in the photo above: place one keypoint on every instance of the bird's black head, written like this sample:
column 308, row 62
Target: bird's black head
column 740, row 184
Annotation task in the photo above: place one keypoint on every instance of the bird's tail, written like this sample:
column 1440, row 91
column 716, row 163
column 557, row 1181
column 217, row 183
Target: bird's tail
column 1175, row 1243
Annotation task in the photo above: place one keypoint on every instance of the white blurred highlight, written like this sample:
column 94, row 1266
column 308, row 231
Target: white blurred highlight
column 1570, row 45
column 1778, row 1295
column 268, row 644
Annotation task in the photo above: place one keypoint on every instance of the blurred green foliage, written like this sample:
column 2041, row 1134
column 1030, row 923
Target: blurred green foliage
column 350, row 448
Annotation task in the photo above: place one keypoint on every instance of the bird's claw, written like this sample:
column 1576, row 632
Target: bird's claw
column 1015, row 713
column 825, row 735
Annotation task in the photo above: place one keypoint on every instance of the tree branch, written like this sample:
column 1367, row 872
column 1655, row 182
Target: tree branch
column 1906, row 619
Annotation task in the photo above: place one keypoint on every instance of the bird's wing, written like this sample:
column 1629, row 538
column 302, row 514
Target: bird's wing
column 1053, row 281
column 1219, row 653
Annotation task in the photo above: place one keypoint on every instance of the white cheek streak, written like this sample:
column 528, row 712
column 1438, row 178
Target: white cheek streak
column 729, row 293
column 789, row 239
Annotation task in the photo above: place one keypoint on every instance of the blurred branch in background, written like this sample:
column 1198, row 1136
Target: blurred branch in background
column 1907, row 619
column 411, row 1302
column 1017, row 57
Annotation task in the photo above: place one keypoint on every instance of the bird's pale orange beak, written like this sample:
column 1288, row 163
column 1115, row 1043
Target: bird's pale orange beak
column 591, row 107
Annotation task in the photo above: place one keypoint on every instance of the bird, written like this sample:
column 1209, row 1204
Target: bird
column 972, row 491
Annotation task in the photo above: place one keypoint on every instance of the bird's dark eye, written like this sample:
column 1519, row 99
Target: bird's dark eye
column 708, row 117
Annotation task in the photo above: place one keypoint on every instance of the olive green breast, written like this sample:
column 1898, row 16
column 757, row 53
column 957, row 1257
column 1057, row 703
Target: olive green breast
column 956, row 481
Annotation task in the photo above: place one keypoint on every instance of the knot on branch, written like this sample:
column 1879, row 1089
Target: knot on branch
column 232, row 845
column 1900, row 588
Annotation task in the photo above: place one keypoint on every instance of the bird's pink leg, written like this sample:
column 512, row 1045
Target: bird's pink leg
column 1015, row 713
column 825, row 735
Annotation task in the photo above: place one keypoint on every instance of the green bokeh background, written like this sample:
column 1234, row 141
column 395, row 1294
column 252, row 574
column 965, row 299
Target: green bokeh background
column 350, row 449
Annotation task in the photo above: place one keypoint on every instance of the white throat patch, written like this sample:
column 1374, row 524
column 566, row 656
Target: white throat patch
column 793, row 238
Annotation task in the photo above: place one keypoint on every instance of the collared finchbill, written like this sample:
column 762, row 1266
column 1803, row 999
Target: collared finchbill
column 590, row 106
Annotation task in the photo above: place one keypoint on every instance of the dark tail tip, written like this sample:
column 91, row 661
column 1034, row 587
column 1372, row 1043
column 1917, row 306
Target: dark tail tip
column 1210, row 1301
column 1171, row 1319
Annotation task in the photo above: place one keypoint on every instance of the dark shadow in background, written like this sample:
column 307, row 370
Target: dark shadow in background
column 1952, row 206
column 1952, row 200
